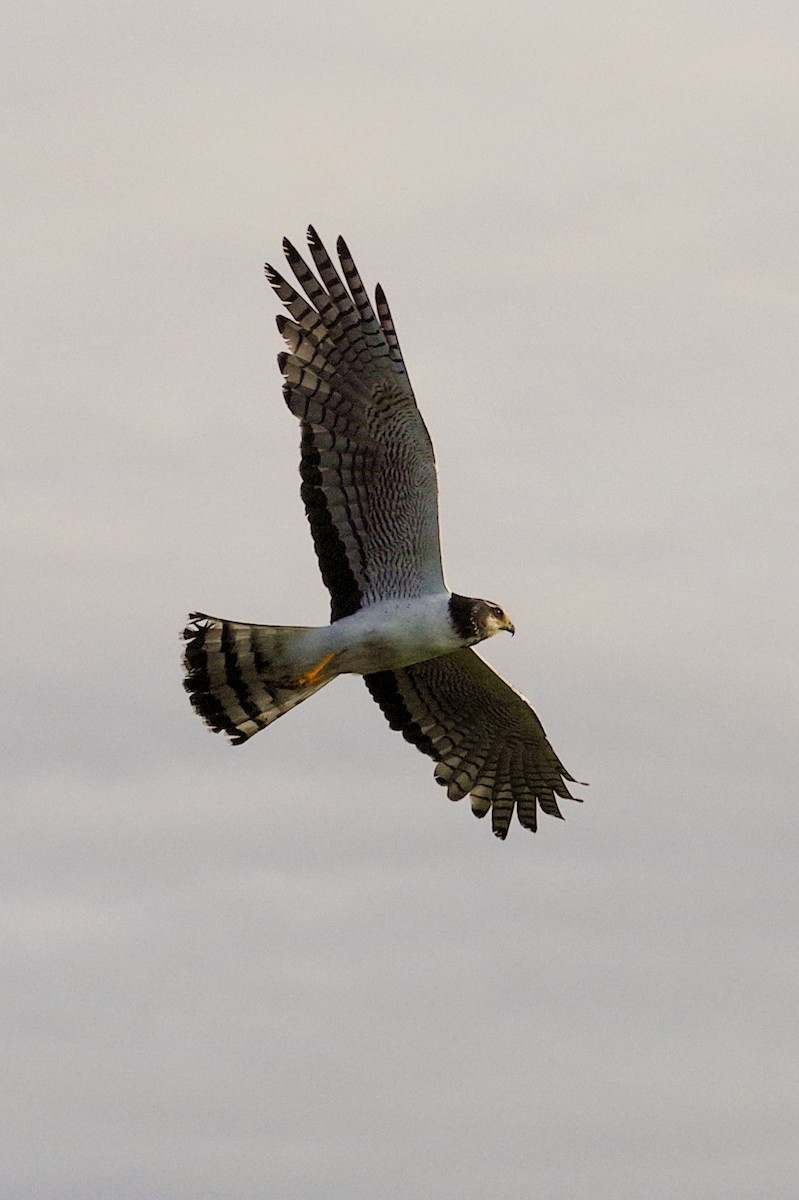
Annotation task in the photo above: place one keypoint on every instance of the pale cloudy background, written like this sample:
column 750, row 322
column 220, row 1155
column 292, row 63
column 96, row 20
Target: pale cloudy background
column 294, row 969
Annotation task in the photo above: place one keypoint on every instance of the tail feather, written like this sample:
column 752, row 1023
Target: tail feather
column 233, row 674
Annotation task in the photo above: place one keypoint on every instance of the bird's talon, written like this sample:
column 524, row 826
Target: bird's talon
column 315, row 674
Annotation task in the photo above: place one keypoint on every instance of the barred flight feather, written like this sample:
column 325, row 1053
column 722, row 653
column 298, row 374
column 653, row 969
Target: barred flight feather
column 486, row 738
column 371, row 499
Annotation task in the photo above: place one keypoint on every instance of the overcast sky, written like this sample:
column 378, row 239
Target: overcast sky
column 293, row 968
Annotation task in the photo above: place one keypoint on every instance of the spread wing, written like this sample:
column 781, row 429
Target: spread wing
column 367, row 465
column 483, row 734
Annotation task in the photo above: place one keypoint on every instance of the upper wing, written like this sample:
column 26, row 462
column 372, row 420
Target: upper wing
column 484, row 735
column 367, row 466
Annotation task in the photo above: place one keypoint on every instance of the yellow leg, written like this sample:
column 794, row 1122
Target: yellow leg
column 315, row 673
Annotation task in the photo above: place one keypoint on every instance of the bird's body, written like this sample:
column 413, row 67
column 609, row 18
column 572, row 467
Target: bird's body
column 387, row 635
column 370, row 492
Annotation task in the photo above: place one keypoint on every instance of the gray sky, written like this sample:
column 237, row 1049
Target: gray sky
column 294, row 969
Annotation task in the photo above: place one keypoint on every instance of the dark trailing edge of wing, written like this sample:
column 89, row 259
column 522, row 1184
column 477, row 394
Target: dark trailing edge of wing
column 384, row 690
column 345, row 595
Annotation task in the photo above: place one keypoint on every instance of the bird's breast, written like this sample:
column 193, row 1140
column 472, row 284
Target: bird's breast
column 390, row 635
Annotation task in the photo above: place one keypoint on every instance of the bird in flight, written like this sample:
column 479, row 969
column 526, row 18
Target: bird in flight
column 371, row 496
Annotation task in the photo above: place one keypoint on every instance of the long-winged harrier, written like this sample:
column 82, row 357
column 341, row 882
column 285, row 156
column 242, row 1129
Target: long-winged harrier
column 371, row 496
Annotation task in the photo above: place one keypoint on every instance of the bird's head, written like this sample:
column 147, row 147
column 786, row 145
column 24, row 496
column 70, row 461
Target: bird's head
column 476, row 620
column 493, row 619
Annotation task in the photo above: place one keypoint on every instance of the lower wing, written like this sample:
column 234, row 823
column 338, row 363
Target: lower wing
column 483, row 734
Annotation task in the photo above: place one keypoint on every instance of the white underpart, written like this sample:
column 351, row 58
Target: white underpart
column 385, row 636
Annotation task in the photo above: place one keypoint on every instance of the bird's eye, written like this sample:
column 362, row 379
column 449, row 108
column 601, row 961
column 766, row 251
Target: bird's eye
column 496, row 611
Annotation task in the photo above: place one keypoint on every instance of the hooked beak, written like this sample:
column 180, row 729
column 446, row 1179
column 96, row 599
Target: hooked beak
column 511, row 628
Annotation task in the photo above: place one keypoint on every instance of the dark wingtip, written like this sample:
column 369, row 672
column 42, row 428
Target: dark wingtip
column 275, row 279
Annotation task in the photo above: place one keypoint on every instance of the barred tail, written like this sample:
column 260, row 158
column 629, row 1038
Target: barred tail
column 231, row 669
